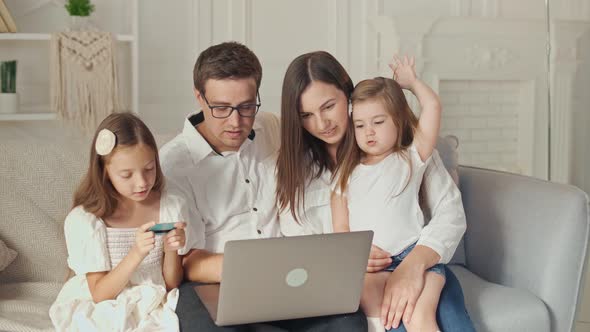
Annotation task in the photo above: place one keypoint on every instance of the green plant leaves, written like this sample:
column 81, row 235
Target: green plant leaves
column 8, row 76
column 79, row 7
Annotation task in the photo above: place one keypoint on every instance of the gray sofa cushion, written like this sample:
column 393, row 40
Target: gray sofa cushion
column 528, row 234
column 494, row 307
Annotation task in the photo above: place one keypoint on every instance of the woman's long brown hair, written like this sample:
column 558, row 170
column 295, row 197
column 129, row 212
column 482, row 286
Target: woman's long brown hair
column 302, row 157
column 389, row 93
column 96, row 193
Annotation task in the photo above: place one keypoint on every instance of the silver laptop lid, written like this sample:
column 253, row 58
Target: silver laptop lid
column 292, row 277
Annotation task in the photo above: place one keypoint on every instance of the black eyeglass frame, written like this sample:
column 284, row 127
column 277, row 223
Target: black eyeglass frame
column 234, row 108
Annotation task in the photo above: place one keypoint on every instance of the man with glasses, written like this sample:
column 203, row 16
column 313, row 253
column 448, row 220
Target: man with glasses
column 216, row 164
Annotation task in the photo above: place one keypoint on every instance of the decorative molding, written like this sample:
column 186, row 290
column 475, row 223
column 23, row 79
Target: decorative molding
column 526, row 129
column 491, row 8
column 384, row 28
column 240, row 21
column 401, row 35
column 248, row 29
column 203, row 12
column 342, row 31
column 492, row 58
column 502, row 58
column 564, row 66
column 368, row 52
column 561, row 133
column 565, row 37
column 398, row 35
column 460, row 7
column 571, row 9
column 135, row 56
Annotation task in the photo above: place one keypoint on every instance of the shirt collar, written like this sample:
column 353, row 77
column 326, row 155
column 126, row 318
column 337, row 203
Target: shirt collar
column 198, row 146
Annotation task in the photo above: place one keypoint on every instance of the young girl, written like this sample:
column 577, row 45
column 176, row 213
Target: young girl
column 126, row 276
column 378, row 185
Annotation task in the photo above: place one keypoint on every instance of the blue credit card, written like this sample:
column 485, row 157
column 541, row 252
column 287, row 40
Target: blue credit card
column 162, row 227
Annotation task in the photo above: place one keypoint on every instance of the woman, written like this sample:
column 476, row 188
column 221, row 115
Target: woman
column 314, row 126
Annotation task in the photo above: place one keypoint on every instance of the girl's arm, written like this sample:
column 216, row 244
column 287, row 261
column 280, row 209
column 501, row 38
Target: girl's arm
column 339, row 206
column 429, row 122
column 107, row 285
column 172, row 265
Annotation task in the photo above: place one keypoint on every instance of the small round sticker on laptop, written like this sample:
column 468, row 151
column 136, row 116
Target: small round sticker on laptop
column 296, row 277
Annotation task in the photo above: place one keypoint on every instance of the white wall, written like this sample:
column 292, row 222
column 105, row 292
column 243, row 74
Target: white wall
column 277, row 31
column 489, row 40
column 453, row 40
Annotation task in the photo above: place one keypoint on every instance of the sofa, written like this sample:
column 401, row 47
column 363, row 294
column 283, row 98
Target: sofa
column 521, row 264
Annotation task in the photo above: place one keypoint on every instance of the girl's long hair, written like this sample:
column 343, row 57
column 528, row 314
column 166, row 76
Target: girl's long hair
column 389, row 93
column 96, row 192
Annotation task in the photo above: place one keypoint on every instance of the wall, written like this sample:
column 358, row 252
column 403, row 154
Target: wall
column 497, row 42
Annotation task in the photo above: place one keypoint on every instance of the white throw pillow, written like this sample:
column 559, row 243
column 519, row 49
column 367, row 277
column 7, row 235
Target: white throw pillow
column 7, row 255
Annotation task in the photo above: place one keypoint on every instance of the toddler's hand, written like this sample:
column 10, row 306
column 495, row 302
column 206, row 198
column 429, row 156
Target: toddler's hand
column 144, row 239
column 175, row 239
column 404, row 71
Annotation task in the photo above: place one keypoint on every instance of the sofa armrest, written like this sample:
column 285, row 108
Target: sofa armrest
column 529, row 234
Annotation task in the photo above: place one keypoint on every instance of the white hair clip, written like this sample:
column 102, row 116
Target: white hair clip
column 349, row 108
column 105, row 142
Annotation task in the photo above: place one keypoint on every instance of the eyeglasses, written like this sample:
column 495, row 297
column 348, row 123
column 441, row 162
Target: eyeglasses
column 224, row 111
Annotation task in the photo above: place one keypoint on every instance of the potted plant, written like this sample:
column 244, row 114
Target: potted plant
column 8, row 95
column 79, row 11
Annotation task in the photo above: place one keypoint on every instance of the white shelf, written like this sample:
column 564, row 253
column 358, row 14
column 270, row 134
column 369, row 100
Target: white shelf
column 128, row 35
column 47, row 36
column 27, row 116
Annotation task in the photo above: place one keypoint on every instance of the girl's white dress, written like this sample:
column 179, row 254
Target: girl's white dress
column 383, row 197
column 144, row 305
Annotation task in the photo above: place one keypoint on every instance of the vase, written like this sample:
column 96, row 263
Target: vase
column 8, row 103
column 81, row 23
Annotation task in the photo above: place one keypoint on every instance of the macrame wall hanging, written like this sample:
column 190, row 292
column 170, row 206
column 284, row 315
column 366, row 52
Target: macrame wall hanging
column 83, row 77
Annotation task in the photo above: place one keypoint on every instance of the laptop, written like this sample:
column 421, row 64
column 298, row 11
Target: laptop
column 273, row 279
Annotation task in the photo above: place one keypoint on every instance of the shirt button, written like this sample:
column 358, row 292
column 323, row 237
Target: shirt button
column 247, row 181
column 255, row 209
column 259, row 231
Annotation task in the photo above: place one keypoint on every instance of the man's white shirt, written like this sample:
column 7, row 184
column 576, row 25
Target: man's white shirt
column 229, row 195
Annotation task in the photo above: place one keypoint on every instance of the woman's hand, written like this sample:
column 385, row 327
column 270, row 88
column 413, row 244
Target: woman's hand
column 144, row 239
column 176, row 238
column 378, row 259
column 404, row 71
column 402, row 289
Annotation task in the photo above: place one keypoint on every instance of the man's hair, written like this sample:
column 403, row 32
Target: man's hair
column 226, row 60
